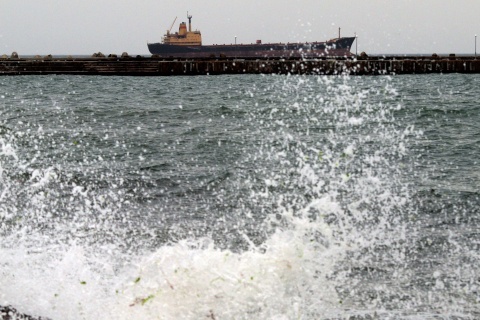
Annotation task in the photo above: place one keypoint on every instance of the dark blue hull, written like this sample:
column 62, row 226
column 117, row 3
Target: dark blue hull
column 334, row 48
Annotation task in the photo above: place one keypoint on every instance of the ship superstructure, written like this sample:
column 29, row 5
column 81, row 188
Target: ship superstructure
column 183, row 37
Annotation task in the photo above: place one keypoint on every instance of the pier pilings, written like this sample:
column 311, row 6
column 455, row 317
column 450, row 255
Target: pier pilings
column 143, row 66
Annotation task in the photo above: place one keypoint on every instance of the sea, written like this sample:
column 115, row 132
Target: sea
column 240, row 197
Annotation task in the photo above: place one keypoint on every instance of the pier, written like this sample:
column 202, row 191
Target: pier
column 154, row 66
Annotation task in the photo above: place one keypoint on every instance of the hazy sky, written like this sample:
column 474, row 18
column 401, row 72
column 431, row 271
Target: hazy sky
column 383, row 26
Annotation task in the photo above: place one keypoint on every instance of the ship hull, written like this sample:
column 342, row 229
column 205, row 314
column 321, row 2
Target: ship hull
column 334, row 48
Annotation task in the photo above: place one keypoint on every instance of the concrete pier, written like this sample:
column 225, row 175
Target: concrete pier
column 151, row 66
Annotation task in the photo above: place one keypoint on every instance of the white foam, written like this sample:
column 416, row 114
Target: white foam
column 293, row 274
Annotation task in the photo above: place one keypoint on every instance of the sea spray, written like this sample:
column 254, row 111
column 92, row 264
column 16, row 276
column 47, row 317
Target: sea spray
column 264, row 197
column 307, row 206
column 320, row 208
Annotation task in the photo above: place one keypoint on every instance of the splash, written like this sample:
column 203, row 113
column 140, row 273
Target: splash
column 317, row 201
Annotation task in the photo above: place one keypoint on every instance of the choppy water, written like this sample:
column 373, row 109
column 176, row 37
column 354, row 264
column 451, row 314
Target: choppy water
column 240, row 197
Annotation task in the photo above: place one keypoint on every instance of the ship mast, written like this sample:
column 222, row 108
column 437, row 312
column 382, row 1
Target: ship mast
column 189, row 17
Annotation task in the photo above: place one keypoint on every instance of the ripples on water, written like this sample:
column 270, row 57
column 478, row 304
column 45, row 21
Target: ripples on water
column 240, row 197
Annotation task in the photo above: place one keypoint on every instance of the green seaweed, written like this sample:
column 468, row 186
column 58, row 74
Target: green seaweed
column 145, row 300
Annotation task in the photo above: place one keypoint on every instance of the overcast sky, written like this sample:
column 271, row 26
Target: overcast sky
column 43, row 27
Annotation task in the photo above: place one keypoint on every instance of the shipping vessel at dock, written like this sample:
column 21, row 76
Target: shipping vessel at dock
column 188, row 44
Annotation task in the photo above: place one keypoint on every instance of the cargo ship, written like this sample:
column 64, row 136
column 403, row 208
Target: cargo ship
column 188, row 44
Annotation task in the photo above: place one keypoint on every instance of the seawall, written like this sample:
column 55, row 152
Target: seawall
column 150, row 66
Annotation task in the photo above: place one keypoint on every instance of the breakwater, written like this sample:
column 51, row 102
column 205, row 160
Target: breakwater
column 152, row 66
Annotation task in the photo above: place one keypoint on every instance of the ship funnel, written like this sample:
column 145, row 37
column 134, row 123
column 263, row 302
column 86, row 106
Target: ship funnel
column 182, row 31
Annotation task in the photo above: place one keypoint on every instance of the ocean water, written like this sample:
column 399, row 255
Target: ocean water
column 240, row 197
